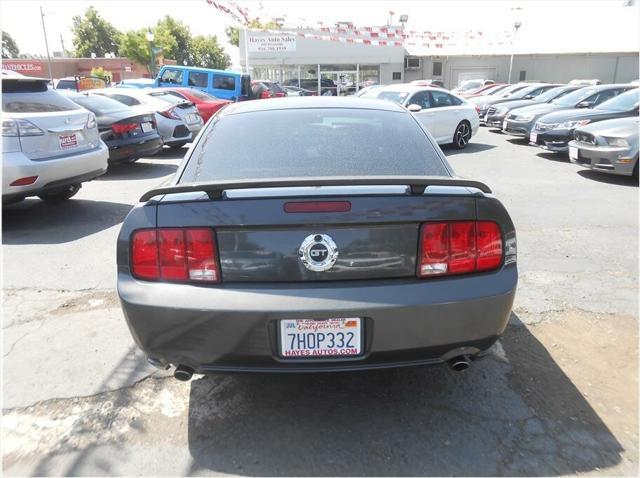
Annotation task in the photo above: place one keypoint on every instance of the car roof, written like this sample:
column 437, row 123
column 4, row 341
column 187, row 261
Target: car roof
column 307, row 102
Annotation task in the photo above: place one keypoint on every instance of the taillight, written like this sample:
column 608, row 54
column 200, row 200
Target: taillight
column 169, row 113
column 461, row 247
column 121, row 128
column 175, row 255
column 478, row 109
column 265, row 95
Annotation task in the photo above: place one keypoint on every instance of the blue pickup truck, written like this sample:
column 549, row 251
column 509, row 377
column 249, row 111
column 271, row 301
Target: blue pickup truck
column 227, row 85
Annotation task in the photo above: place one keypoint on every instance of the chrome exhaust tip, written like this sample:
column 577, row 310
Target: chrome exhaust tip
column 183, row 373
column 459, row 364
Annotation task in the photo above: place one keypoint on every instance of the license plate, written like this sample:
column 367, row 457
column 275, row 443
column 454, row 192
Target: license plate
column 573, row 152
column 146, row 127
column 192, row 118
column 68, row 141
column 303, row 338
column 533, row 138
column 504, row 125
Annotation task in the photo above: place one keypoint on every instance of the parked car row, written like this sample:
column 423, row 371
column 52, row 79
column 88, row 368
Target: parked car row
column 56, row 139
column 597, row 125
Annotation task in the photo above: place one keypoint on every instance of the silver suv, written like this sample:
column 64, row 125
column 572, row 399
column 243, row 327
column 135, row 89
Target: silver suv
column 50, row 145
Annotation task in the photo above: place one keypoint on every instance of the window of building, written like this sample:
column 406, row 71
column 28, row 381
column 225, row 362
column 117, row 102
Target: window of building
column 198, row 79
column 523, row 75
column 223, row 82
column 437, row 68
column 397, row 75
column 412, row 62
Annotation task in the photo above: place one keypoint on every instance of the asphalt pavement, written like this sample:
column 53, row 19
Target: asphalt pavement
column 557, row 396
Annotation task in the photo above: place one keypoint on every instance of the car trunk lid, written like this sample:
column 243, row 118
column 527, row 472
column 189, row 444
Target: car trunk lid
column 376, row 236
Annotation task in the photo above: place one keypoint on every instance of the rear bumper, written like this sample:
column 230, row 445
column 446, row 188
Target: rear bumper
column 233, row 327
column 125, row 150
column 605, row 158
column 53, row 173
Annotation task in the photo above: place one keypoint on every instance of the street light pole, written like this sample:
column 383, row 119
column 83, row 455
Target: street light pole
column 516, row 26
column 151, row 58
column 46, row 44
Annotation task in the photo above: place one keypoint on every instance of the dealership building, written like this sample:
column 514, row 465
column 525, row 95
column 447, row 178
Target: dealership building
column 392, row 54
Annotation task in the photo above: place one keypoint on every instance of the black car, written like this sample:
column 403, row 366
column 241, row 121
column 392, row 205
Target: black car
column 327, row 87
column 129, row 131
column 295, row 91
column 559, row 126
column 496, row 114
column 527, row 93
column 301, row 248
column 523, row 120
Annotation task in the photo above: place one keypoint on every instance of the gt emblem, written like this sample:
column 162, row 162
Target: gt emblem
column 318, row 252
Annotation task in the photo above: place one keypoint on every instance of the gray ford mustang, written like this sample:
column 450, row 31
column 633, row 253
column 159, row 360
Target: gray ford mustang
column 316, row 234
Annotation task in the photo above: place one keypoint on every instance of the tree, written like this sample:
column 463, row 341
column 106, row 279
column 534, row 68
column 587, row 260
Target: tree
column 134, row 45
column 9, row 46
column 206, row 52
column 93, row 34
column 233, row 33
column 174, row 37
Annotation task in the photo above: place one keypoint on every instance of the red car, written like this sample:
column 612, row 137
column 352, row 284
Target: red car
column 484, row 90
column 206, row 104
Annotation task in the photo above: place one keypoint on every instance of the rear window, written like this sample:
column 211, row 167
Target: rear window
column 313, row 142
column 168, row 98
column 202, row 96
column 100, row 105
column 394, row 96
column 43, row 102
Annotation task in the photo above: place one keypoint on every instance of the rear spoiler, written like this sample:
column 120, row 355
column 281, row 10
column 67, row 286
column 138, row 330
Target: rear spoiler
column 417, row 184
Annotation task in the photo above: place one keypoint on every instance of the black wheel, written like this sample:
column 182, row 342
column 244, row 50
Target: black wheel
column 177, row 145
column 61, row 194
column 635, row 170
column 462, row 135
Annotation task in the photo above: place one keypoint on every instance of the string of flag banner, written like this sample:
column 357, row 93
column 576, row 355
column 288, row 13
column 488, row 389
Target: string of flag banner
column 385, row 36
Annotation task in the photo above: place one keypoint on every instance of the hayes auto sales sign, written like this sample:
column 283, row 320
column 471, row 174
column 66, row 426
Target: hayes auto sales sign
column 271, row 43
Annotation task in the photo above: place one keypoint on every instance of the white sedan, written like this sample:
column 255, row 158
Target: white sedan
column 449, row 118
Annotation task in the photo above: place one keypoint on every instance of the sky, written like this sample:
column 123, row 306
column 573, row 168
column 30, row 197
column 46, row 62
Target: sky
column 599, row 23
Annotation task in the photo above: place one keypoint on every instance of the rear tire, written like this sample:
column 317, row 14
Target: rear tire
column 462, row 135
column 60, row 195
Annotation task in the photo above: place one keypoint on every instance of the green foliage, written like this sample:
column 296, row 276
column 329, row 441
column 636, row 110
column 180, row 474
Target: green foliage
column 206, row 52
column 100, row 72
column 93, row 34
column 134, row 45
column 9, row 46
column 233, row 33
column 174, row 37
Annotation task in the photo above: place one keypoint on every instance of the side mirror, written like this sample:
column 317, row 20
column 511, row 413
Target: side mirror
column 529, row 97
column 584, row 104
column 414, row 108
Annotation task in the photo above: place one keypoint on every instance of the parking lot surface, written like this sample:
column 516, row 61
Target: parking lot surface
column 557, row 396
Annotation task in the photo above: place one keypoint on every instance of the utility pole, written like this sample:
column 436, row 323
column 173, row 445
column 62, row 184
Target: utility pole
column 62, row 43
column 46, row 44
column 516, row 26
